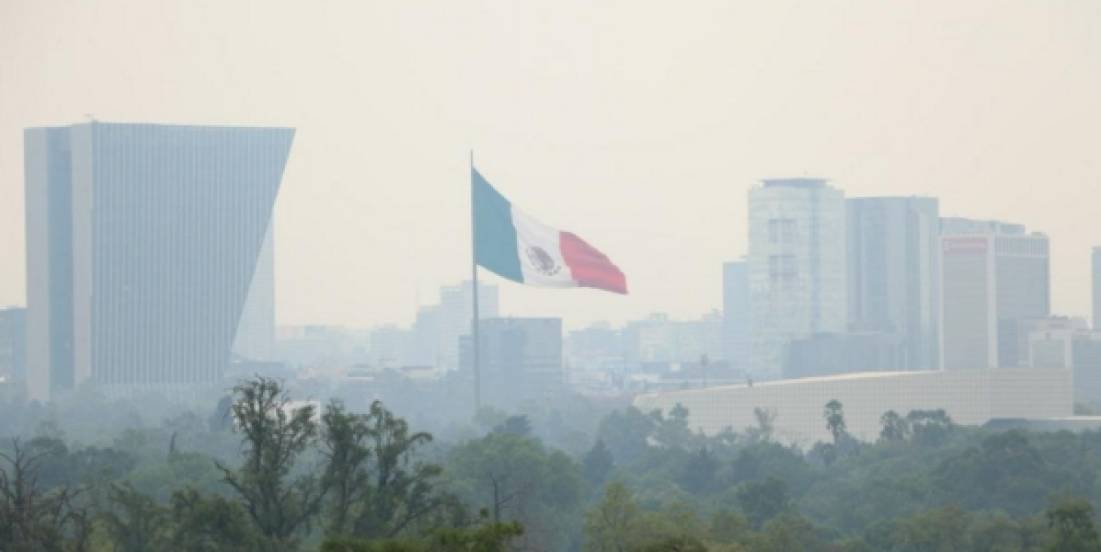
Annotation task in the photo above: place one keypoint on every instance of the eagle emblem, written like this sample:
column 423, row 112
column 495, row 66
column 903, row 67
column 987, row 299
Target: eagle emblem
column 542, row 261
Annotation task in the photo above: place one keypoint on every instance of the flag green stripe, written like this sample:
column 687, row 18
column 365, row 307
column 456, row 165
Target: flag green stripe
column 494, row 234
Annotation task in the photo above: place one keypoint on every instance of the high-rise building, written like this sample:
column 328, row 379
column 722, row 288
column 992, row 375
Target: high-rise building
column 597, row 348
column 255, row 340
column 993, row 276
column 520, row 360
column 426, row 337
column 13, row 339
column 457, row 312
column 1068, row 343
column 796, row 266
column 736, row 314
column 1096, row 258
column 894, row 273
column 142, row 244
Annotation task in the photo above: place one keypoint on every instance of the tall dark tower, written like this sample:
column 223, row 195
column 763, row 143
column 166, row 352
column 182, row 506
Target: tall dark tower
column 142, row 243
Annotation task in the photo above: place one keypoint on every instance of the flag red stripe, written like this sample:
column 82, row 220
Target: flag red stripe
column 589, row 267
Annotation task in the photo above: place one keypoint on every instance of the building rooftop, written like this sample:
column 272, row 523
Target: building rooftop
column 794, row 182
column 808, row 381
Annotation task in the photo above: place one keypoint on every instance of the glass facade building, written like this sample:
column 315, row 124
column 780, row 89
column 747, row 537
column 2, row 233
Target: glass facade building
column 142, row 245
column 893, row 274
column 993, row 276
column 736, row 314
column 1096, row 280
column 797, row 267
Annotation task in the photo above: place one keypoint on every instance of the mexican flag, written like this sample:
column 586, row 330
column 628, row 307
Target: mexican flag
column 515, row 246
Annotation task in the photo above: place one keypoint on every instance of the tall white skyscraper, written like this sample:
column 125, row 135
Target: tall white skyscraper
column 994, row 276
column 894, row 273
column 797, row 266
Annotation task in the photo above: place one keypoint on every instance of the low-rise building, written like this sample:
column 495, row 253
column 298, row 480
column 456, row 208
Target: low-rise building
column 969, row 397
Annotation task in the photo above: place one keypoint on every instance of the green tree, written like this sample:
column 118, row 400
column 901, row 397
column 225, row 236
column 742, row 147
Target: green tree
column 273, row 436
column 210, row 523
column 894, row 427
column 490, row 537
column 33, row 519
column 597, row 464
column 764, row 500
column 672, row 431
column 516, row 425
column 344, row 443
column 517, row 479
column 698, row 474
column 135, row 521
column 1071, row 521
column 766, row 421
column 834, row 415
column 401, row 490
column 930, row 428
column 611, row 524
column 790, row 532
column 627, row 434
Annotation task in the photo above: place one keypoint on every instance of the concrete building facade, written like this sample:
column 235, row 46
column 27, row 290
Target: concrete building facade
column 969, row 397
column 993, row 275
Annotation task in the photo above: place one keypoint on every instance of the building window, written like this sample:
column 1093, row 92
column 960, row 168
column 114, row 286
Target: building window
column 782, row 271
column 781, row 230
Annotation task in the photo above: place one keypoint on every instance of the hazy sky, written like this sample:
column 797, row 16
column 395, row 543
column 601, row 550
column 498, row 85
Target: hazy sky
column 639, row 126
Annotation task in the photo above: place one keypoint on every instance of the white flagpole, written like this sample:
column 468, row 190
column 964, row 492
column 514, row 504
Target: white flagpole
column 474, row 322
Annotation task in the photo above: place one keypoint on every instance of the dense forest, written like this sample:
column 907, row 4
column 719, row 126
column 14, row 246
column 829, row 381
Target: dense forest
column 260, row 471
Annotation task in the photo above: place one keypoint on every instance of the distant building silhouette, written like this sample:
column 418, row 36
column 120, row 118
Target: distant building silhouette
column 455, row 314
column 994, row 275
column 1067, row 343
column 894, row 274
column 255, row 340
column 521, row 360
column 1096, row 276
column 737, row 314
column 797, row 267
column 142, row 244
column 13, row 339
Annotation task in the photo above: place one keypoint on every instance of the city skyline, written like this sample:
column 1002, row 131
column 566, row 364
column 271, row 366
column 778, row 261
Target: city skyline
column 977, row 105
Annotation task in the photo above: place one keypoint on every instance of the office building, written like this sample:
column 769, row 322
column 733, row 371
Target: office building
column 520, row 360
column 797, row 267
column 255, row 339
column 736, row 314
column 894, row 274
column 993, row 275
column 969, row 397
column 13, row 339
column 831, row 354
column 456, row 314
column 1096, row 279
column 426, row 338
column 1061, row 343
column 597, row 348
column 142, row 244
